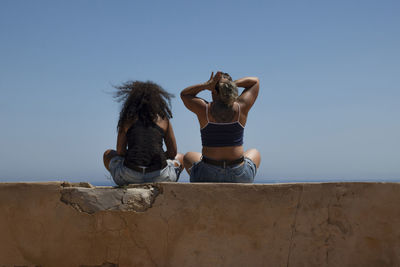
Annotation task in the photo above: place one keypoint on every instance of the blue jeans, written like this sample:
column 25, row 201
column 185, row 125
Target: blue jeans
column 207, row 173
column 122, row 175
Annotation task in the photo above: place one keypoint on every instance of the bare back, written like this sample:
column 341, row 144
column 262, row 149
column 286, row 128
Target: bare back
column 213, row 115
column 199, row 107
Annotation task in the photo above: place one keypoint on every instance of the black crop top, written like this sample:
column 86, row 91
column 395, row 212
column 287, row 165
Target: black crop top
column 222, row 134
column 145, row 146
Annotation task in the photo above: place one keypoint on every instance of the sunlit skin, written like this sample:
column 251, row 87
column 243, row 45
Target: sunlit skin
column 198, row 106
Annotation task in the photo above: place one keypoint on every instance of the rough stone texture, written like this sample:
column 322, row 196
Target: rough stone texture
column 332, row 224
column 91, row 199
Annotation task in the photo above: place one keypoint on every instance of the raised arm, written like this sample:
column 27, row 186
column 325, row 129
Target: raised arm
column 249, row 95
column 189, row 94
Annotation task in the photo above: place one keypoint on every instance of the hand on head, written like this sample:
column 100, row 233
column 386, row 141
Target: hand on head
column 214, row 79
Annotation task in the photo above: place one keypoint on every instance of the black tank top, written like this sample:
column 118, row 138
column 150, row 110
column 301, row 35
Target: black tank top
column 222, row 134
column 145, row 146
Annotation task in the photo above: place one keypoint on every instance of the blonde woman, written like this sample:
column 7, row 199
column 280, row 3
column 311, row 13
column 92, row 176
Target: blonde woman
column 222, row 124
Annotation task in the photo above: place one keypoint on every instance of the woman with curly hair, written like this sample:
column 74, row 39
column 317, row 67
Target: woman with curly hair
column 143, row 126
column 222, row 122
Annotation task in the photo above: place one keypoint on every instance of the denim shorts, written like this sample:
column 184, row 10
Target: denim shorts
column 123, row 175
column 207, row 173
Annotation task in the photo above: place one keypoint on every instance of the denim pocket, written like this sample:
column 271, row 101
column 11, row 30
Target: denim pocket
column 203, row 172
column 238, row 171
column 242, row 174
column 194, row 172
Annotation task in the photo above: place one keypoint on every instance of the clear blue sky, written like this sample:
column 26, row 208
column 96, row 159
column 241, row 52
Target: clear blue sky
column 328, row 107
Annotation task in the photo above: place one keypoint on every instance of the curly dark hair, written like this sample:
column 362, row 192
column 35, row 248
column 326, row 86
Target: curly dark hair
column 143, row 101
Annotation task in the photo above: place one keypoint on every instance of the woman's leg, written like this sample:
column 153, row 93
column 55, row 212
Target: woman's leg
column 254, row 155
column 179, row 157
column 189, row 159
column 108, row 155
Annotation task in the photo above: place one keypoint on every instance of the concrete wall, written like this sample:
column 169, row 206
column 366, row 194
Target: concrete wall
column 332, row 224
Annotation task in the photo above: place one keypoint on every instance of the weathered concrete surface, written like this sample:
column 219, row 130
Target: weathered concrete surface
column 91, row 200
column 333, row 224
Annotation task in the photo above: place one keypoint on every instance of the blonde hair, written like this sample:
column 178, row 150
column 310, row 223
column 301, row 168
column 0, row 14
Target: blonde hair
column 228, row 92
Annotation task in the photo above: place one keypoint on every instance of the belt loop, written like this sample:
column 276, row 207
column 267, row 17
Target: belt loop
column 143, row 169
column 224, row 164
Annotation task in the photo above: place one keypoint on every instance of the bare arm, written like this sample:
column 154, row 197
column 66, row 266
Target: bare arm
column 189, row 94
column 170, row 142
column 250, row 93
column 121, row 143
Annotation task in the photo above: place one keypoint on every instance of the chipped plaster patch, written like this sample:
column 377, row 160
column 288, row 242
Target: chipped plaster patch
column 91, row 200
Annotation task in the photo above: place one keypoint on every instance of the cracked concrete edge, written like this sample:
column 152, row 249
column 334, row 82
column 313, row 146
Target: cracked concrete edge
column 79, row 184
column 132, row 198
column 83, row 198
column 293, row 225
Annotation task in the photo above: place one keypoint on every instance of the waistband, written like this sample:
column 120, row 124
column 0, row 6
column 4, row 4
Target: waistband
column 222, row 163
column 144, row 169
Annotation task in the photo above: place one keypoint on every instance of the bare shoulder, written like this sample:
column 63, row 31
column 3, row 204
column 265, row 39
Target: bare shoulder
column 163, row 123
column 128, row 124
column 242, row 105
column 249, row 94
column 200, row 107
